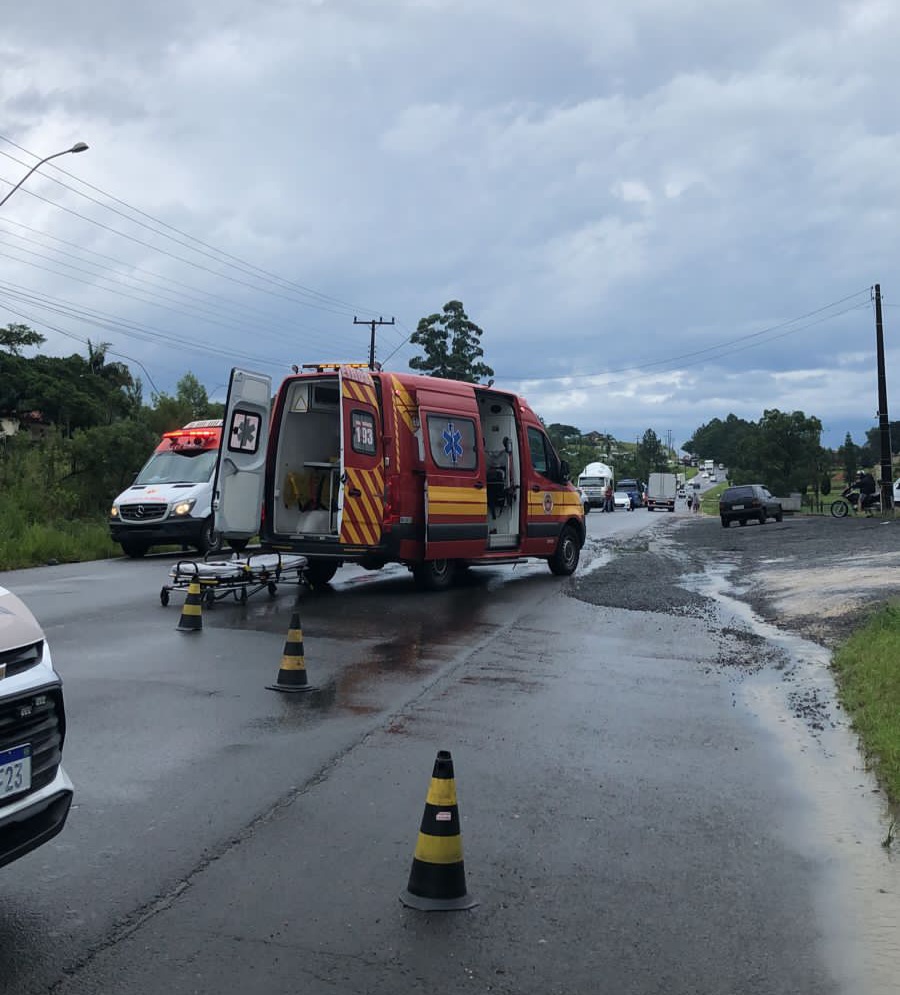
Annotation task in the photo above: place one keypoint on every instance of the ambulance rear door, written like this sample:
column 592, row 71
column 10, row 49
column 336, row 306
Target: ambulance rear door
column 362, row 460
column 241, row 466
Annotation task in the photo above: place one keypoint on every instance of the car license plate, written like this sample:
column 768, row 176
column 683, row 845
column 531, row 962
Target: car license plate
column 737, row 507
column 15, row 770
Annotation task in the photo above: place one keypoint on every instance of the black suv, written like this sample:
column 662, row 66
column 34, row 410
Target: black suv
column 748, row 502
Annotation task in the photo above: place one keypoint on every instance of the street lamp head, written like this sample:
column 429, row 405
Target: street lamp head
column 79, row 147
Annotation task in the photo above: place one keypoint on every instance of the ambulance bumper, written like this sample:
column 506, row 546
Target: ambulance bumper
column 169, row 530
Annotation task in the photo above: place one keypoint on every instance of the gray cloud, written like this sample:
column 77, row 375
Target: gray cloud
column 606, row 188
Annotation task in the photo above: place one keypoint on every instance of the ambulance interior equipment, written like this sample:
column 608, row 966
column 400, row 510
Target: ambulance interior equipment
column 503, row 470
column 308, row 459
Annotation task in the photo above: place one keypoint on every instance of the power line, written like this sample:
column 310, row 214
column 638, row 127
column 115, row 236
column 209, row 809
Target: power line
column 242, row 265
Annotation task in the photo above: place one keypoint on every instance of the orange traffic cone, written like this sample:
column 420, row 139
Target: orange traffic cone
column 292, row 673
column 437, row 880
column 191, row 619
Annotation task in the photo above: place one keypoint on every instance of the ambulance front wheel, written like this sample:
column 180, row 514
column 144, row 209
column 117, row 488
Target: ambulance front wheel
column 210, row 540
column 134, row 548
column 434, row 575
column 564, row 561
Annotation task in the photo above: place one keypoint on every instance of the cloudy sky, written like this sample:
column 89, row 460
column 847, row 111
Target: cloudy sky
column 658, row 212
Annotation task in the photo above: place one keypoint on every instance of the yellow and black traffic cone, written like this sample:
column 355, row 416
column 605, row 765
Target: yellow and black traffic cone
column 437, row 880
column 292, row 674
column 191, row 619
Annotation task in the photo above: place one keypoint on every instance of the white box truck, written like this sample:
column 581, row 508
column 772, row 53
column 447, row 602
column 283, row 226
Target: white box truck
column 661, row 490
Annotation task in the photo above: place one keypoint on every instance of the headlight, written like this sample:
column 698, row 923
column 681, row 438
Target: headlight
column 113, row 512
column 183, row 507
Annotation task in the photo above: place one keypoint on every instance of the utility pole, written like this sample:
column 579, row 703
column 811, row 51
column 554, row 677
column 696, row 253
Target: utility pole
column 373, row 323
column 884, row 425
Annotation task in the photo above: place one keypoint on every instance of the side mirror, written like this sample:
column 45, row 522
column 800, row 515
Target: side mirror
column 564, row 470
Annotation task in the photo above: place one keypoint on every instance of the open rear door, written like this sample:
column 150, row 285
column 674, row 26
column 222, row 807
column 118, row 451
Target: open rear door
column 240, row 470
column 362, row 459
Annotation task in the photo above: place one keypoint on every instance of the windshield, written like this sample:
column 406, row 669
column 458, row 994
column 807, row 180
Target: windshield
column 178, row 468
column 592, row 481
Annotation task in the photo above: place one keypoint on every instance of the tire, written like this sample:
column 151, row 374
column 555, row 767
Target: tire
column 164, row 596
column 564, row 561
column 434, row 575
column 210, row 540
column 726, row 522
column 587, row 509
column 133, row 548
column 272, row 588
column 742, row 522
column 779, row 515
column 320, row 572
column 762, row 518
column 840, row 508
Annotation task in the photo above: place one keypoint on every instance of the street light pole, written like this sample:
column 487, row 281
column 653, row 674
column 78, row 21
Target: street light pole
column 77, row 147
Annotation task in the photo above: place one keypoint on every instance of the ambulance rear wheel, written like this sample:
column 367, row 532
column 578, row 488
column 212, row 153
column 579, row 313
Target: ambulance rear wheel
column 564, row 561
column 320, row 571
column 434, row 575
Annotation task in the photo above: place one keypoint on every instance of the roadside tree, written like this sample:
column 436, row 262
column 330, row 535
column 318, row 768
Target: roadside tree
column 452, row 346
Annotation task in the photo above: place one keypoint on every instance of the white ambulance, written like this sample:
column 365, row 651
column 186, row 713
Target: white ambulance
column 170, row 501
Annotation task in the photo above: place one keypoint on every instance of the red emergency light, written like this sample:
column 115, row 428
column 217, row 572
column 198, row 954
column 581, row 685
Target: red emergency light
column 182, row 438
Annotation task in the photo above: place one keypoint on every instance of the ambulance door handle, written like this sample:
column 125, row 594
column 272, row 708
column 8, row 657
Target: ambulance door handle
column 535, row 487
column 355, row 492
column 479, row 485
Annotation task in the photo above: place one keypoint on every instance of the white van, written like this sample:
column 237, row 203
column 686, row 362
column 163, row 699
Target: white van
column 170, row 501
column 35, row 793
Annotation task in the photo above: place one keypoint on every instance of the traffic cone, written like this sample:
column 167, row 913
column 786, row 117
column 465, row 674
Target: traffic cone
column 437, row 880
column 292, row 674
column 191, row 619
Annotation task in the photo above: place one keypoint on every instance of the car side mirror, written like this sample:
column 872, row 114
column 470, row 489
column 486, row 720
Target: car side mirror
column 564, row 470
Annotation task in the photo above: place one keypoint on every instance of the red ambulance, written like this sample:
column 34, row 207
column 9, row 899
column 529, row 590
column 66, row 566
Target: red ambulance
column 365, row 466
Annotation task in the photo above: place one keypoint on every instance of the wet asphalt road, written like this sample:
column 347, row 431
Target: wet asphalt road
column 657, row 793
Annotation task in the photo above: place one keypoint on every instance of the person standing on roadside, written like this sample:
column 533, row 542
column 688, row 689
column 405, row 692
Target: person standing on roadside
column 695, row 504
column 609, row 503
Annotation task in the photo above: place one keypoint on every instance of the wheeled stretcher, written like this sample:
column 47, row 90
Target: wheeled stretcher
column 241, row 576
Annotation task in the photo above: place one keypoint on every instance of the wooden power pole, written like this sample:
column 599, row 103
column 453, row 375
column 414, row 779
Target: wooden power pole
column 884, row 425
column 373, row 322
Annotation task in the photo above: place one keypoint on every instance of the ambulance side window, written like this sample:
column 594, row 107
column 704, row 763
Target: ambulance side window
column 452, row 442
column 543, row 458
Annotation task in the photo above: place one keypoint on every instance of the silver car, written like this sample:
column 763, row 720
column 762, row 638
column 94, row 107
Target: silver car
column 35, row 793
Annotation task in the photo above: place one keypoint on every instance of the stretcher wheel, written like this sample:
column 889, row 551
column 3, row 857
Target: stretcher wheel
column 210, row 597
column 272, row 588
column 164, row 596
column 243, row 595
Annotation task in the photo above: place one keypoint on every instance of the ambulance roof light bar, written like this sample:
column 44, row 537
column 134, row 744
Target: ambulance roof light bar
column 331, row 367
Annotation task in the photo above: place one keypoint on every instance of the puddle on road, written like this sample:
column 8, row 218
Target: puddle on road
column 859, row 897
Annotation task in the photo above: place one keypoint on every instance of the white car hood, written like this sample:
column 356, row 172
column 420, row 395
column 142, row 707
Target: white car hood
column 161, row 492
column 18, row 627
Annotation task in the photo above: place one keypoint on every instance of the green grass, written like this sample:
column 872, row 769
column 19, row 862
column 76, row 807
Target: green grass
column 30, row 544
column 868, row 677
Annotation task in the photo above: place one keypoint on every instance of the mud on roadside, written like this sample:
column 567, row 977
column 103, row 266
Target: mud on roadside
column 814, row 576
